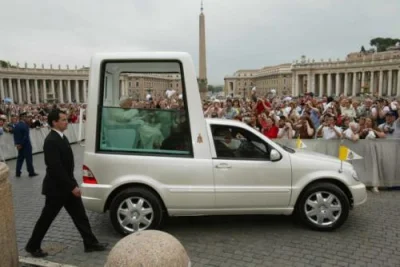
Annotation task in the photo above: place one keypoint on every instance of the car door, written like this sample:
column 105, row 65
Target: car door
column 244, row 176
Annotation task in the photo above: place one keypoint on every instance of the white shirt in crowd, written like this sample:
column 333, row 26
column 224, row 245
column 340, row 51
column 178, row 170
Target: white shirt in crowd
column 328, row 133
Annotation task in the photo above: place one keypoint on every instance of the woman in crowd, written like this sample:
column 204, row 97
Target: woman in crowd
column 304, row 128
column 370, row 130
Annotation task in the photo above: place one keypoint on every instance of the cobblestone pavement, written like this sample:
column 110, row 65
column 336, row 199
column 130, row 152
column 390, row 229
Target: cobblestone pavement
column 371, row 236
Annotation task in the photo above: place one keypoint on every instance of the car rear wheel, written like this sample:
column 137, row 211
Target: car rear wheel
column 134, row 210
column 323, row 207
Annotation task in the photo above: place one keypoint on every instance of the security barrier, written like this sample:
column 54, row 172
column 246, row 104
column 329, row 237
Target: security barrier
column 377, row 168
column 8, row 150
column 380, row 157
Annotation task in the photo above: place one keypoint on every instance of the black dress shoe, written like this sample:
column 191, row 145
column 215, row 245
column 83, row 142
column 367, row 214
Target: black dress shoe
column 96, row 247
column 33, row 174
column 18, row 175
column 36, row 253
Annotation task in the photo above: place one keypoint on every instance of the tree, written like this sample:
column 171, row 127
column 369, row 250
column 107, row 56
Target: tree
column 362, row 49
column 4, row 64
column 382, row 44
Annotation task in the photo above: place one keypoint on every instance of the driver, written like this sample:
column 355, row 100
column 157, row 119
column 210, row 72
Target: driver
column 229, row 142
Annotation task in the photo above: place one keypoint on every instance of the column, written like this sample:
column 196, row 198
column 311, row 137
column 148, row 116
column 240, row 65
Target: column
column 294, row 84
column 354, row 88
column 313, row 86
column 53, row 91
column 372, row 83
column 297, row 92
column 380, row 82
column 389, row 90
column 19, row 91
column 10, row 90
column 77, row 91
column 346, row 83
column 398, row 83
column 337, row 89
column 44, row 91
column 61, row 91
column 362, row 79
column 36, row 92
column 321, row 84
column 69, row 91
column 2, row 95
column 85, row 92
column 28, row 91
column 309, row 82
column 329, row 85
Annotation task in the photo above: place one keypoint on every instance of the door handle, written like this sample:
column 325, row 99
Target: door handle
column 223, row 166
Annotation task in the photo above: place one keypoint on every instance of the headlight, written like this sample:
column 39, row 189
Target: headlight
column 355, row 175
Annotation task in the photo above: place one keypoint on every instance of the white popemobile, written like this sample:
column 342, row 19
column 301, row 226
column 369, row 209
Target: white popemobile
column 146, row 164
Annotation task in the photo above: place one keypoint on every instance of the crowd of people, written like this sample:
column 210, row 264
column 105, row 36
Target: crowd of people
column 309, row 117
column 10, row 114
column 285, row 117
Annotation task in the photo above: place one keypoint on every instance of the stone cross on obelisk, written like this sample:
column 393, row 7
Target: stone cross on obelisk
column 202, row 56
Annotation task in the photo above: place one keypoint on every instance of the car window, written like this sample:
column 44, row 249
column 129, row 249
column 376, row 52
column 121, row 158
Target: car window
column 142, row 110
column 238, row 143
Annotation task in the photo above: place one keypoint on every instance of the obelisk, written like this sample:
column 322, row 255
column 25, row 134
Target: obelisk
column 202, row 56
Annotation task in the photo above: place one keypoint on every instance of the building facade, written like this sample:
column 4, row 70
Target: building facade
column 24, row 85
column 278, row 78
column 43, row 85
column 360, row 73
column 139, row 85
column 372, row 73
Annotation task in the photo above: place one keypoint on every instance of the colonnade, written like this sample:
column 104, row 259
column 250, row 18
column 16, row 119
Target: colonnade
column 350, row 83
column 28, row 90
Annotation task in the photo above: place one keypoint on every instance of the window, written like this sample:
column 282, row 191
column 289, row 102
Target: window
column 137, row 84
column 140, row 125
column 237, row 143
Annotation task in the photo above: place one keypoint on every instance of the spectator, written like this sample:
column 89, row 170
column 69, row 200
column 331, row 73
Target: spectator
column 370, row 131
column 329, row 130
column 391, row 127
column 352, row 132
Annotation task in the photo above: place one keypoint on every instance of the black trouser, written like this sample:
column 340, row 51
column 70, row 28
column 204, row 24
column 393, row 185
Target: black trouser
column 25, row 153
column 75, row 209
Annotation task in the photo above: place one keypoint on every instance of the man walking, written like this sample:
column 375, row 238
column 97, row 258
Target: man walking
column 61, row 189
column 22, row 142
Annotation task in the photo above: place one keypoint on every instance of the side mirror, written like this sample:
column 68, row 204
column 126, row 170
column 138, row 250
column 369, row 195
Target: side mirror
column 274, row 155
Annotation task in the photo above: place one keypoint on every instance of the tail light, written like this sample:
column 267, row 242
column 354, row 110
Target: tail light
column 88, row 177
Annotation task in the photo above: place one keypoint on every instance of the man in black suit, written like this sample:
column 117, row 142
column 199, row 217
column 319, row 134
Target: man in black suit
column 61, row 189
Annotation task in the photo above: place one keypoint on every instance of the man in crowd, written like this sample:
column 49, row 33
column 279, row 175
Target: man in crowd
column 391, row 127
column 22, row 142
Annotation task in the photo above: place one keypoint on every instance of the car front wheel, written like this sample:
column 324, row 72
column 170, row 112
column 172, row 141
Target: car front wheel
column 135, row 209
column 323, row 207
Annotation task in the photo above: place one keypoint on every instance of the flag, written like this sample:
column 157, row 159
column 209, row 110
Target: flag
column 299, row 143
column 347, row 154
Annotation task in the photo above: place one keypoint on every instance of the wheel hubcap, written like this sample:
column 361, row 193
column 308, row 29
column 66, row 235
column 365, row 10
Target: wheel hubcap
column 135, row 214
column 322, row 208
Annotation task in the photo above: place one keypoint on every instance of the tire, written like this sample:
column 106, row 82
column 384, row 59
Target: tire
column 142, row 202
column 338, row 208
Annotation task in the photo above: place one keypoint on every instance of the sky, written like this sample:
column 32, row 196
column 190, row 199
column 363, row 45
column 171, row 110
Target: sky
column 240, row 34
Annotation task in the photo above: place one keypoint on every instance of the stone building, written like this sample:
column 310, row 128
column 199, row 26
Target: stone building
column 139, row 85
column 277, row 77
column 26, row 85
column 368, row 72
column 40, row 85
